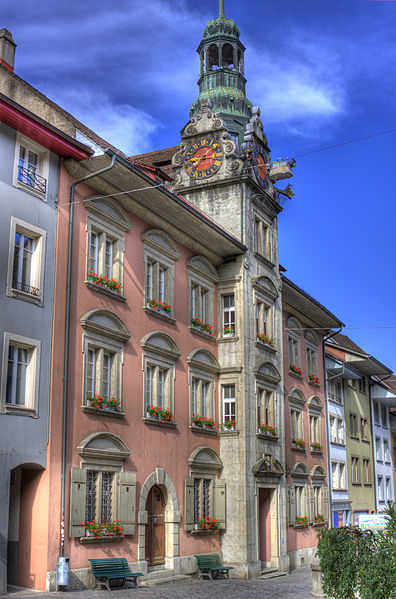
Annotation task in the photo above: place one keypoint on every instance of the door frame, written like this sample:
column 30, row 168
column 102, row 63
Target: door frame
column 153, row 560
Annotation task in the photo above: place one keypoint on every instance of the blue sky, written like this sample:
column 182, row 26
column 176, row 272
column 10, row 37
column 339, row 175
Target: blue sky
column 322, row 73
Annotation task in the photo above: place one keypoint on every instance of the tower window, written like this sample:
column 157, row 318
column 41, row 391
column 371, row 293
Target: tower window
column 213, row 57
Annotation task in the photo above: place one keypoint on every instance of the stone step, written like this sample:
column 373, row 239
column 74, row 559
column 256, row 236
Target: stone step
column 271, row 573
column 158, row 572
column 172, row 579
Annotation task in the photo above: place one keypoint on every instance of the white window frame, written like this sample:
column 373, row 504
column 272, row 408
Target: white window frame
column 266, row 406
column 311, row 352
column 332, row 390
column 203, row 368
column 228, row 404
column 32, row 374
column 43, row 156
column 338, row 475
column 262, row 237
column 381, row 490
column 387, row 453
column 38, row 261
column 296, row 414
column 228, row 314
column 337, row 436
column 202, row 277
column 378, row 449
column 294, row 332
column 160, row 253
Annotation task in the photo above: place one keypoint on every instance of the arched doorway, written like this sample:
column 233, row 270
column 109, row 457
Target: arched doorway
column 155, row 529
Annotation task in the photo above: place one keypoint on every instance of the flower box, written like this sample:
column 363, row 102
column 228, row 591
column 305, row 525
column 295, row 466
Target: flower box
column 97, row 402
column 203, row 422
column 203, row 326
column 314, row 379
column 161, row 414
column 295, row 369
column 300, row 443
column 228, row 332
column 267, row 429
column 158, row 306
column 103, row 529
column 319, row 519
column 229, row 425
column 301, row 521
column 316, row 446
column 207, row 524
column 265, row 339
column 102, row 281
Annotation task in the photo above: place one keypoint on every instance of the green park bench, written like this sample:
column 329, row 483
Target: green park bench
column 210, row 565
column 114, row 568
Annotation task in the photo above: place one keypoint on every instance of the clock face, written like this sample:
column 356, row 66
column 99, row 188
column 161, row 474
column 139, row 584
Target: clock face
column 260, row 160
column 203, row 158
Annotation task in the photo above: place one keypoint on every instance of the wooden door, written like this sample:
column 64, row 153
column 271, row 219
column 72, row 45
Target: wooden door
column 265, row 525
column 155, row 529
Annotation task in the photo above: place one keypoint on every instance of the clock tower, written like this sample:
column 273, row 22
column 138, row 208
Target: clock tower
column 223, row 167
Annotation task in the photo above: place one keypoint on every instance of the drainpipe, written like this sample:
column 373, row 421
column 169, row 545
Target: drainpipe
column 67, row 334
column 330, row 482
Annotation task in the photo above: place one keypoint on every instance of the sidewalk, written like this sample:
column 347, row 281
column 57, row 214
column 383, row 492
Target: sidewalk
column 296, row 585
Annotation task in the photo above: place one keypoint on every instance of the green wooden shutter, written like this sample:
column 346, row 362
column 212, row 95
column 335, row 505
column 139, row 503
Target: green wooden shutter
column 292, row 505
column 189, row 503
column 325, row 502
column 220, row 502
column 78, row 492
column 126, row 501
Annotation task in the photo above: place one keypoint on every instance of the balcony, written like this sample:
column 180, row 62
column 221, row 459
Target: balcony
column 32, row 179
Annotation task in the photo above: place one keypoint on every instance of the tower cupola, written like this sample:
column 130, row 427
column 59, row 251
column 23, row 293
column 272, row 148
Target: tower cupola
column 222, row 74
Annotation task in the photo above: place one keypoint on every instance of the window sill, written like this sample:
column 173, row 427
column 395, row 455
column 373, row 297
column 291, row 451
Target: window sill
column 31, row 190
column 203, row 431
column 317, row 385
column 27, row 297
column 264, row 260
column 338, row 444
column 203, row 532
column 161, row 314
column 105, row 539
column 298, row 449
column 368, row 484
column 355, row 484
column 265, row 346
column 354, row 438
column 317, row 451
column 295, row 375
column 227, row 339
column 196, row 331
column 366, row 441
column 159, row 423
column 229, row 433
column 20, row 411
column 103, row 412
column 300, row 525
column 266, row 437
column 117, row 296
column 319, row 524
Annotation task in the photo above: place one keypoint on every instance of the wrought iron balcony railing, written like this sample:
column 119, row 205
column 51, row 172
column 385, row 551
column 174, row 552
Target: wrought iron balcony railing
column 26, row 288
column 32, row 179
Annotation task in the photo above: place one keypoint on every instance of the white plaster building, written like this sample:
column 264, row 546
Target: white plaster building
column 382, row 398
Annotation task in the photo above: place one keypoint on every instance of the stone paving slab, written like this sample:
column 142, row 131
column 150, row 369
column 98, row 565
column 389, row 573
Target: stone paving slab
column 296, row 585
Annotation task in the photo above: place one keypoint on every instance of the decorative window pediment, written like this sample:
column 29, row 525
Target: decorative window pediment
column 267, row 372
column 315, row 404
column 104, row 446
column 204, row 457
column 203, row 267
column 161, row 343
column 268, row 466
column 110, row 211
column 296, row 397
column 266, row 287
column 299, row 470
column 104, row 322
column 293, row 327
column 318, row 473
column 161, row 241
column 311, row 338
column 203, row 359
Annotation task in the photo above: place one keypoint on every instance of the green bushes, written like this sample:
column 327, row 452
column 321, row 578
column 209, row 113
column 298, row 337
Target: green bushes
column 356, row 564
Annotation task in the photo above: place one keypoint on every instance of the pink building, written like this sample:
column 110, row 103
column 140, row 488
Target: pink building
column 141, row 444
column 305, row 325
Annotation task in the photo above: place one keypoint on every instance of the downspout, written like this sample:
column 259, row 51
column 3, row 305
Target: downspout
column 329, row 482
column 67, row 334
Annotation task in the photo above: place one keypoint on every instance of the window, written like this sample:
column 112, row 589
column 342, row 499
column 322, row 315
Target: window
column 228, row 314
column 366, row 471
column 265, row 295
column 107, row 224
column 362, row 385
column 159, row 355
column 317, row 501
column 353, row 421
column 100, row 490
column 104, row 337
column 314, row 429
column 388, row 489
column 31, row 166
column 334, row 390
column 204, row 492
column 338, row 475
column 355, row 470
column 381, row 494
column 160, row 252
column 265, row 407
column 311, row 342
column 20, row 374
column 267, row 379
column 262, row 318
column 293, row 341
column 384, row 416
column 364, row 429
column 25, row 277
column 337, row 434
column 387, row 455
column 296, row 424
column 261, row 238
column 202, row 276
column 315, row 408
column 378, row 449
column 228, row 397
column 376, row 414
column 203, row 368
column 301, row 507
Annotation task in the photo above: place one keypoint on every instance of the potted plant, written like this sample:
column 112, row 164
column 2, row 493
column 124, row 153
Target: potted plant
column 203, row 422
column 319, row 519
column 267, row 429
column 313, row 379
column 154, row 304
column 163, row 414
column 203, row 326
column 113, row 404
column 301, row 521
column 316, row 446
column 295, row 369
column 228, row 331
column 208, row 524
column 229, row 425
column 266, row 339
column 102, row 281
column 95, row 401
column 298, row 443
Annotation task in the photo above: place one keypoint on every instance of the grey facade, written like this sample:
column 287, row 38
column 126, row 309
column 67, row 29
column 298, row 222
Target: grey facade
column 26, row 309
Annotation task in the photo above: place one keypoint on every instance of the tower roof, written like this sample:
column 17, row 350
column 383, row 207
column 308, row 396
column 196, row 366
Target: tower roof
column 221, row 26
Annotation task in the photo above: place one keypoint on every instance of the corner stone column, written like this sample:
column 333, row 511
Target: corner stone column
column 317, row 589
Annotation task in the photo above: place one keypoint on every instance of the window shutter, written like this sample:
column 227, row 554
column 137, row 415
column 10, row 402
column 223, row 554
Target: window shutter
column 307, row 496
column 126, row 504
column 311, row 503
column 292, row 504
column 78, row 492
column 220, row 502
column 325, row 501
column 189, row 503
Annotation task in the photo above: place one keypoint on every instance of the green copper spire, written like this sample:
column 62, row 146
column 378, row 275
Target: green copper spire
column 222, row 79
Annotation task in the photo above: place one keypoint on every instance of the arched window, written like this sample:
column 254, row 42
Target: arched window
column 228, row 56
column 294, row 332
column 213, row 57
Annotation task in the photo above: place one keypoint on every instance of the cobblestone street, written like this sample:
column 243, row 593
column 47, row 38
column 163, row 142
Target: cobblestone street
column 296, row 585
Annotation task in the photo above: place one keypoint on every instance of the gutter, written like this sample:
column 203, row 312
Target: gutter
column 67, row 335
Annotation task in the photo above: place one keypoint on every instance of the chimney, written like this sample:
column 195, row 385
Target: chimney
column 7, row 50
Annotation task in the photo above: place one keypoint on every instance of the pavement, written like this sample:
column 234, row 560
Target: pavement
column 296, row 585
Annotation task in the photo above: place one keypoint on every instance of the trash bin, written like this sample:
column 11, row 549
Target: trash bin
column 62, row 571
